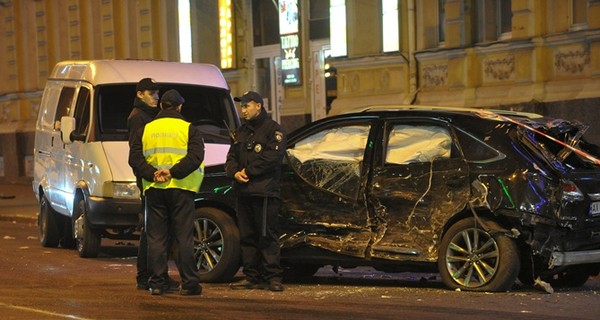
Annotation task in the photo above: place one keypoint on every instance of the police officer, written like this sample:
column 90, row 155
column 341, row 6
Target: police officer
column 168, row 154
column 145, row 108
column 254, row 162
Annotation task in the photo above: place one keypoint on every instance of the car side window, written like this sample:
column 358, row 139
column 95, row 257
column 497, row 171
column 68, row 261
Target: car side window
column 417, row 143
column 475, row 150
column 331, row 159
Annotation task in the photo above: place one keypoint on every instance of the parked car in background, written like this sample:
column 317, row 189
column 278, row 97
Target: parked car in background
column 483, row 197
column 82, row 179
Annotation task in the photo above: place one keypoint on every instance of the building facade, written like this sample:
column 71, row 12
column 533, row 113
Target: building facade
column 313, row 58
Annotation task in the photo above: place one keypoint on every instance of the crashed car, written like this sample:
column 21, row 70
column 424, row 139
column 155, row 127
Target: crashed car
column 484, row 197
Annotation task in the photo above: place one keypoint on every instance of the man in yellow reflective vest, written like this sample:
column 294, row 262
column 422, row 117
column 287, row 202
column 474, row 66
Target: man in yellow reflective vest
column 168, row 154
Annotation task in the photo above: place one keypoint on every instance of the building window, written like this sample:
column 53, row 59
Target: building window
column 391, row 31
column 337, row 22
column 441, row 22
column 265, row 22
column 225, row 34
column 579, row 9
column 185, row 31
column 318, row 19
column 495, row 19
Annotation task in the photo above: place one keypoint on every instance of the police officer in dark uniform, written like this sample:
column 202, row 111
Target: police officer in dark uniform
column 145, row 109
column 254, row 162
column 168, row 154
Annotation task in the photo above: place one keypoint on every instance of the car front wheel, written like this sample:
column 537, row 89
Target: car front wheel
column 216, row 245
column 471, row 258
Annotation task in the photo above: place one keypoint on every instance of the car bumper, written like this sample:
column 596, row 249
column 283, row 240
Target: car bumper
column 112, row 212
column 560, row 259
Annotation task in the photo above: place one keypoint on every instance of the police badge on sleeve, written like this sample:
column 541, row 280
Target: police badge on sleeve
column 278, row 136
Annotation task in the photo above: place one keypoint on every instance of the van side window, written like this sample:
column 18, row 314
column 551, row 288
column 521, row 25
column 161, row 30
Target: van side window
column 82, row 111
column 64, row 105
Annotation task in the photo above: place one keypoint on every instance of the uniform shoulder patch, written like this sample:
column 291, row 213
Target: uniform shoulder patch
column 278, row 136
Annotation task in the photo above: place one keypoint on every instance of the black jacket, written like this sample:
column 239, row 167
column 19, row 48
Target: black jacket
column 139, row 116
column 137, row 119
column 259, row 147
column 185, row 166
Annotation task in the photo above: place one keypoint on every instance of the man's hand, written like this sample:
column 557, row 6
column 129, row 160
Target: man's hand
column 241, row 176
column 162, row 175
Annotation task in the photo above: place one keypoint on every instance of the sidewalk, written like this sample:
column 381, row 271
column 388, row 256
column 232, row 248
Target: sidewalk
column 18, row 203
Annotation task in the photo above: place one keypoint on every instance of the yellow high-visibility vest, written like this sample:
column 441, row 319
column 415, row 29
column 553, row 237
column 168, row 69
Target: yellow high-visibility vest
column 164, row 143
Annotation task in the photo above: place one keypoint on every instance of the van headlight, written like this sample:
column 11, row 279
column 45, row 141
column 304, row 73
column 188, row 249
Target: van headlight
column 127, row 190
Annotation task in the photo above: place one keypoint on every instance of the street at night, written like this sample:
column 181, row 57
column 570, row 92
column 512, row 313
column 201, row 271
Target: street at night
column 45, row 283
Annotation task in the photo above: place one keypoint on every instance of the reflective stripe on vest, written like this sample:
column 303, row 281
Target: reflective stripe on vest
column 164, row 143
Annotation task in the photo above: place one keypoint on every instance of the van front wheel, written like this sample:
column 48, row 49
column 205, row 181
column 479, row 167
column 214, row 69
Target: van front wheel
column 87, row 238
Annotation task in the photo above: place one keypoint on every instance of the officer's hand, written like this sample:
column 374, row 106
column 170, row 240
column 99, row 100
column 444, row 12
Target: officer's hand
column 162, row 175
column 241, row 176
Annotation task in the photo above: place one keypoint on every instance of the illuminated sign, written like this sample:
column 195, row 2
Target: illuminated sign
column 290, row 42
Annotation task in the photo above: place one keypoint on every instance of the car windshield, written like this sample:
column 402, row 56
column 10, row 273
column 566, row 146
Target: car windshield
column 207, row 107
column 562, row 143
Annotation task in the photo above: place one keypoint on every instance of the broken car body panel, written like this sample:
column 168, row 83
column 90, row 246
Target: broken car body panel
column 383, row 188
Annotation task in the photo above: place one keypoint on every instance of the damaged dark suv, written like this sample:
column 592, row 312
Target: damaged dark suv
column 483, row 197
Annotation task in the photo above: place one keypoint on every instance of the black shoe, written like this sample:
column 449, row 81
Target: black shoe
column 156, row 291
column 195, row 291
column 170, row 285
column 246, row 284
column 141, row 285
column 275, row 286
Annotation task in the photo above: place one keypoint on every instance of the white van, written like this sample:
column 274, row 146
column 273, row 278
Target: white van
column 82, row 179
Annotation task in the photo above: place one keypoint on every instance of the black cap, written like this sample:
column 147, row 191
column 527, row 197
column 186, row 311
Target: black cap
column 171, row 98
column 147, row 84
column 250, row 96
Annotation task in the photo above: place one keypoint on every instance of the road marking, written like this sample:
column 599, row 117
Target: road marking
column 68, row 316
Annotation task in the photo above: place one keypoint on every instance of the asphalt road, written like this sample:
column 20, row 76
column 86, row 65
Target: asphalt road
column 54, row 283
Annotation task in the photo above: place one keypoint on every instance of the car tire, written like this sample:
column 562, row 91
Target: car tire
column 473, row 259
column 87, row 239
column 48, row 224
column 216, row 245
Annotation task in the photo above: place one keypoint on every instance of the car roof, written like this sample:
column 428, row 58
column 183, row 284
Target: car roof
column 481, row 112
column 99, row 72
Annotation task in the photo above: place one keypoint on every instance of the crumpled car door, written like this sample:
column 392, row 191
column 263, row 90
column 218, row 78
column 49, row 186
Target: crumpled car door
column 322, row 183
column 422, row 181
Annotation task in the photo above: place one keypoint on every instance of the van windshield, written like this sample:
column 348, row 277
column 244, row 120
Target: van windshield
column 206, row 107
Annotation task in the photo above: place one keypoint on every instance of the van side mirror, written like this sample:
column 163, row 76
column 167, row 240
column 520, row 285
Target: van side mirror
column 67, row 125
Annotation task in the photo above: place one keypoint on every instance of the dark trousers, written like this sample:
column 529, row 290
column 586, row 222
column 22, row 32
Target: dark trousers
column 259, row 238
column 142, row 257
column 170, row 211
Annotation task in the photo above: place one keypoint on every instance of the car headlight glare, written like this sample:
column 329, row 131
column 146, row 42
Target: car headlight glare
column 128, row 190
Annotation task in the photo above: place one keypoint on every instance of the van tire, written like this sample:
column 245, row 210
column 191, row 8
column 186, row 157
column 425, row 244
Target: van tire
column 216, row 245
column 87, row 239
column 48, row 224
